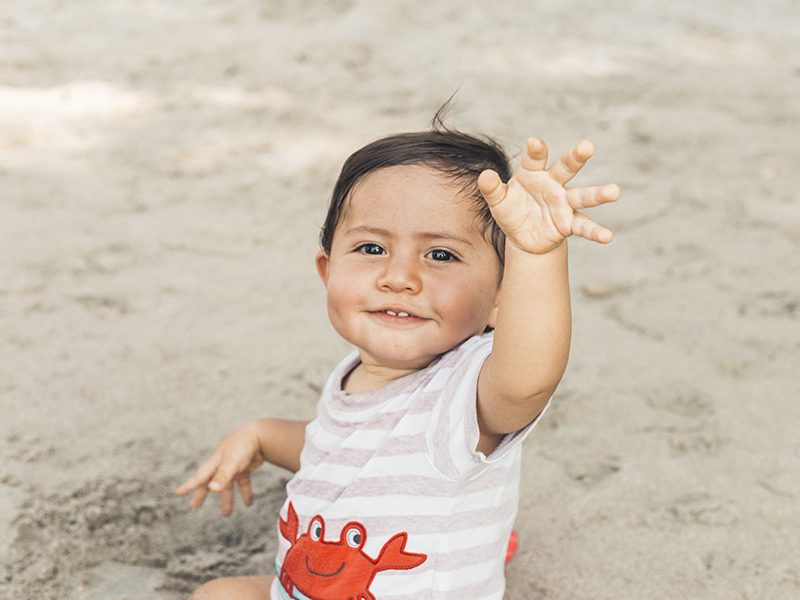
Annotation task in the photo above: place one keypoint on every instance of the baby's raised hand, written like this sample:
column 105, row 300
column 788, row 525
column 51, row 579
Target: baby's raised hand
column 235, row 458
column 534, row 209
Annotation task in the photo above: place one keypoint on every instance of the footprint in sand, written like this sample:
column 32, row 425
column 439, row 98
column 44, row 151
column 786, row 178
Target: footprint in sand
column 687, row 420
column 777, row 303
column 702, row 509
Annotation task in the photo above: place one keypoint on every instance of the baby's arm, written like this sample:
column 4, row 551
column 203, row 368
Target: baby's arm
column 276, row 441
column 533, row 328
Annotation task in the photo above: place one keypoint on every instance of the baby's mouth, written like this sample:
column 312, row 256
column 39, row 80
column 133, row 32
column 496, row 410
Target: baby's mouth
column 396, row 315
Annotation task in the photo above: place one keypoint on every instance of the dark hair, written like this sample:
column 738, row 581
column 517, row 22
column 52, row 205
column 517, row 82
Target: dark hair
column 459, row 156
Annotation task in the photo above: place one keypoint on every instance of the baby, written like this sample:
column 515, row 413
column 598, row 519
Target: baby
column 449, row 276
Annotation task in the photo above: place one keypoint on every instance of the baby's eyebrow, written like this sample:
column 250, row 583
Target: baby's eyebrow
column 427, row 235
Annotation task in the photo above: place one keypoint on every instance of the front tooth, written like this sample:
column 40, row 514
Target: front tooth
column 403, row 314
column 391, row 312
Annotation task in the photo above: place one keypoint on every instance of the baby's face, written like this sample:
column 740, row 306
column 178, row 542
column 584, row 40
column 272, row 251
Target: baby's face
column 410, row 275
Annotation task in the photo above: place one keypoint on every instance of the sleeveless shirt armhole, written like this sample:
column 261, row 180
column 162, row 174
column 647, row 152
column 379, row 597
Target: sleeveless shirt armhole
column 509, row 441
column 472, row 432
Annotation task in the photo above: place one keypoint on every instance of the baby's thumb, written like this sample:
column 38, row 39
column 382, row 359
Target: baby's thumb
column 222, row 478
column 491, row 187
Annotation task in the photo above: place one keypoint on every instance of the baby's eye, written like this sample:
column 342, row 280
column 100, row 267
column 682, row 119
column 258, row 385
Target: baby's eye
column 370, row 249
column 442, row 255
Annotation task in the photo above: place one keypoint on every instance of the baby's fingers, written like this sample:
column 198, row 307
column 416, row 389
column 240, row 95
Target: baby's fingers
column 226, row 495
column 566, row 167
column 201, row 476
column 245, row 488
column 223, row 477
column 226, row 501
column 535, row 158
column 492, row 187
column 584, row 227
column 588, row 197
column 199, row 497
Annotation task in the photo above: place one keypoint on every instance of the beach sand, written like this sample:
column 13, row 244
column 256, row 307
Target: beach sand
column 164, row 171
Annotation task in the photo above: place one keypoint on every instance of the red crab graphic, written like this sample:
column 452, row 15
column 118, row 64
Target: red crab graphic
column 337, row 570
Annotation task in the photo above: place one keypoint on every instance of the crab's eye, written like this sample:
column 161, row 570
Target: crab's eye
column 315, row 529
column 354, row 537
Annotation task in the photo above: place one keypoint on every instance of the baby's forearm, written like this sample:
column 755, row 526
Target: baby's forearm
column 534, row 326
column 281, row 441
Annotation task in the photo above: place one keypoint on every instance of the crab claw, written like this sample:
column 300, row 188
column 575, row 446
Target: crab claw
column 394, row 556
column 289, row 527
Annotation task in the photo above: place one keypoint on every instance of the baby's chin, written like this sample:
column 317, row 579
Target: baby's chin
column 407, row 354
column 401, row 359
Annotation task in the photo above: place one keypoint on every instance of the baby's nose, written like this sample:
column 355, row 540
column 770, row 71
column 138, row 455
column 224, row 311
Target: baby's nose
column 401, row 275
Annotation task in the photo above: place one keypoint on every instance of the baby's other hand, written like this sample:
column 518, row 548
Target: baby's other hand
column 534, row 209
column 235, row 458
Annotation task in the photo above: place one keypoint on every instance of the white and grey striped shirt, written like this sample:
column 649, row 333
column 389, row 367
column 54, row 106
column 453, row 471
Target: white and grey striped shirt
column 400, row 460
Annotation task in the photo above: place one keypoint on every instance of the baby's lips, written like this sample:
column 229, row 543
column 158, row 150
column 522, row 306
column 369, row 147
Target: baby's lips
column 397, row 310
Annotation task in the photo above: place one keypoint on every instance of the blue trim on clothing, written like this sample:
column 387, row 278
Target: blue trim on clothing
column 297, row 595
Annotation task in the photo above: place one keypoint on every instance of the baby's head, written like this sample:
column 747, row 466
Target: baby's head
column 411, row 257
column 457, row 156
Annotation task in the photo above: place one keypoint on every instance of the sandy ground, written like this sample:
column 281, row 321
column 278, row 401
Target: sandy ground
column 164, row 170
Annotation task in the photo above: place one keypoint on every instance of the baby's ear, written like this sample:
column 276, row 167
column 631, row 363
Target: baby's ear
column 495, row 307
column 323, row 262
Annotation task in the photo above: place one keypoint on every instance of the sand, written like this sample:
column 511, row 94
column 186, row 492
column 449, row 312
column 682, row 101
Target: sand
column 164, row 170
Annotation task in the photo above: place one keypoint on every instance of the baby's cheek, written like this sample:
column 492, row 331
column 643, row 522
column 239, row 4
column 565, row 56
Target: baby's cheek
column 470, row 304
column 450, row 307
column 341, row 292
column 335, row 302
column 341, row 301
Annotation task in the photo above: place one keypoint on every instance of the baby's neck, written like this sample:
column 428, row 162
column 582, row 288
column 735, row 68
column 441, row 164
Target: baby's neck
column 368, row 378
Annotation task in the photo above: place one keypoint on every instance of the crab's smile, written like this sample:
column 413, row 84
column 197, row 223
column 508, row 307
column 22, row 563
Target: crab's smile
column 313, row 572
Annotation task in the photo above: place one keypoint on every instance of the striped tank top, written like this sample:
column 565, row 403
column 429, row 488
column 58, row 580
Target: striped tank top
column 392, row 501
